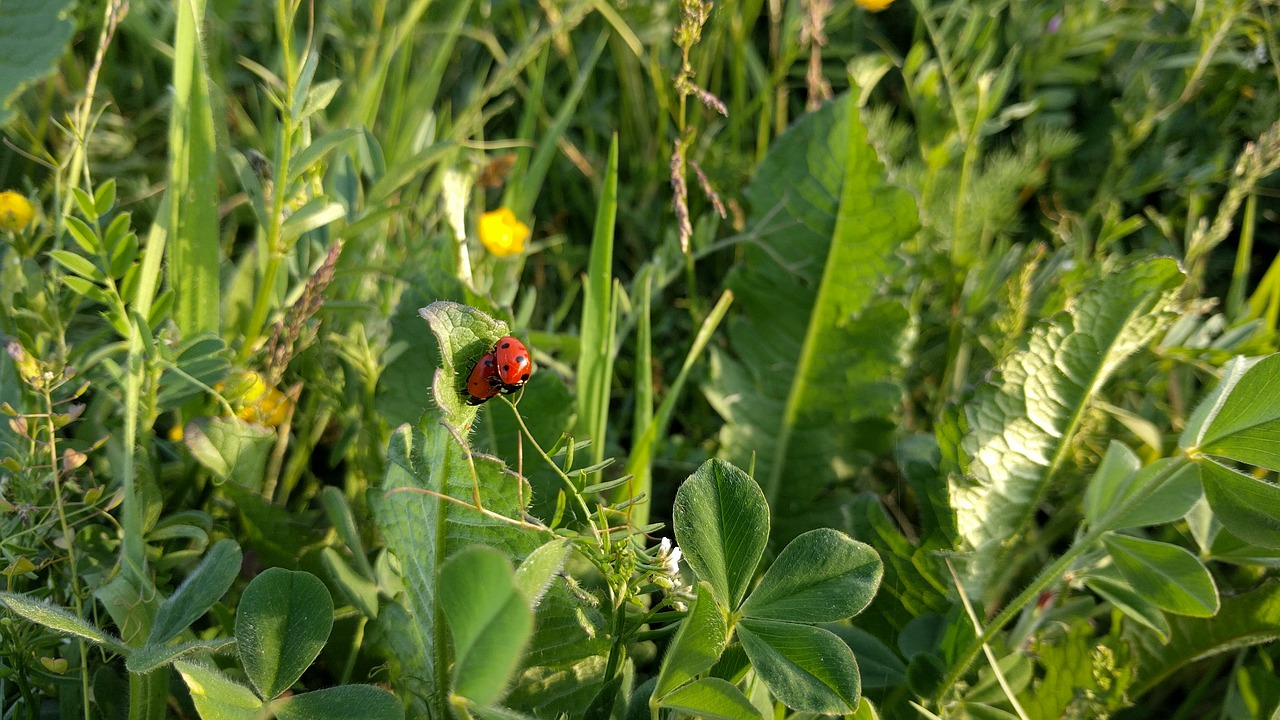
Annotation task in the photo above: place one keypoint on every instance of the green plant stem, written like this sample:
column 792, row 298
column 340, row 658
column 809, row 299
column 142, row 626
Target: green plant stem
column 1048, row 576
column 568, row 482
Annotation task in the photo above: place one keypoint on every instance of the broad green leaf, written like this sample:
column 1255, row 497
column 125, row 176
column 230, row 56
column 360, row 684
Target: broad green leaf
column 539, row 569
column 813, row 385
column 722, row 523
column 422, row 531
column 805, row 667
column 1240, row 419
column 489, row 619
column 1174, row 579
column 202, row 588
column 216, row 696
column 1248, row 507
column 1082, row 675
column 711, row 698
column 149, row 657
column 34, row 34
column 232, row 449
column 1112, row 587
column 1118, row 465
column 1132, row 501
column 696, row 646
column 340, row 703
column 1251, row 618
column 1022, row 421
column 59, row 619
column 465, row 334
column 821, row 576
column 194, row 250
column 282, row 624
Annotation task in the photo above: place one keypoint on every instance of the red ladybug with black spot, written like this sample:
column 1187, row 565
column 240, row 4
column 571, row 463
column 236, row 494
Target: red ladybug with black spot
column 514, row 363
column 483, row 382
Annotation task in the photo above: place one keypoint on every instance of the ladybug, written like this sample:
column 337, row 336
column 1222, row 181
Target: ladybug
column 483, row 382
column 514, row 363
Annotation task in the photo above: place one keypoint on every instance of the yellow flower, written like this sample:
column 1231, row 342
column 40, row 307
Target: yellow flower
column 15, row 211
column 501, row 233
column 253, row 400
column 873, row 5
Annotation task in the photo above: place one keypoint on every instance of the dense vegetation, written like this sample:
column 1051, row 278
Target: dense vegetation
column 906, row 359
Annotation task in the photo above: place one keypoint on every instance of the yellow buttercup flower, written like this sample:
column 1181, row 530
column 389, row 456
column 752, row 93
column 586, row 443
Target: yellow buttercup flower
column 15, row 211
column 501, row 233
column 873, row 5
column 253, row 400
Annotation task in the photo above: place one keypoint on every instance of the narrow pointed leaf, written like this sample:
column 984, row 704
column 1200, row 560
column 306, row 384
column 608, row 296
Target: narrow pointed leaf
column 59, row 619
column 1174, row 579
column 149, row 657
column 807, row 668
column 697, row 644
column 821, row 576
column 812, row 384
column 1248, row 507
column 1112, row 587
column 711, row 698
column 536, row 572
column 202, row 588
column 722, row 523
column 282, row 624
column 1022, row 421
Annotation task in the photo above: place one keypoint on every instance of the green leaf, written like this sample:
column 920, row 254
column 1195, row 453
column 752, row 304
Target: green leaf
column 805, row 667
column 34, row 35
column 1112, row 587
column 79, row 265
column 1083, row 675
column 878, row 665
column 202, row 588
column 814, row 384
column 357, row 589
column 231, row 449
column 1240, row 419
column 59, row 619
column 489, row 619
column 104, row 198
column 315, row 214
column 321, row 146
column 1248, row 507
column 721, row 522
column 199, row 363
column 465, row 334
column 599, row 318
column 1174, row 579
column 1251, row 618
column 1022, row 421
column 697, row 645
column 216, row 696
column 80, row 231
column 340, row 703
column 711, row 698
column 540, row 568
column 282, row 623
column 149, row 657
column 1109, row 500
column 821, row 576
column 422, row 530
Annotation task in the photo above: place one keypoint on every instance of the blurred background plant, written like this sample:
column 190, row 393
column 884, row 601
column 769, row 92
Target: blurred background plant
column 237, row 209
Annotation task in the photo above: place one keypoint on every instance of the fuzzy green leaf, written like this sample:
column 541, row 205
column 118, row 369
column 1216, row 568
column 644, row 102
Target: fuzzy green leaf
column 1021, row 422
column 722, row 523
column 489, row 620
column 59, row 619
column 1248, row 507
column 1173, row 579
column 536, row 572
column 807, row 668
column 34, row 35
column 202, row 588
column 216, row 696
column 821, row 576
column 814, row 385
column 465, row 334
column 149, row 657
column 697, row 644
column 423, row 530
column 282, row 624
column 340, row 703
